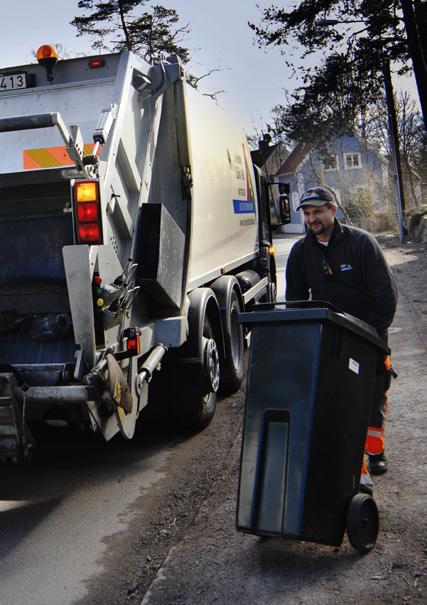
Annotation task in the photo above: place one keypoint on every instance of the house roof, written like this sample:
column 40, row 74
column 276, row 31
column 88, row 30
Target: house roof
column 294, row 159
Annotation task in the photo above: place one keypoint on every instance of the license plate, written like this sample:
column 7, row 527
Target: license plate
column 12, row 81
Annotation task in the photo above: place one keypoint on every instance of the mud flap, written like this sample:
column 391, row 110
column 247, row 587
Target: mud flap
column 126, row 411
column 118, row 386
column 79, row 283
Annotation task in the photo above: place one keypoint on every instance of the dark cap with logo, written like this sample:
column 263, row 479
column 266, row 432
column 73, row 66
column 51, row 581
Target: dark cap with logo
column 316, row 196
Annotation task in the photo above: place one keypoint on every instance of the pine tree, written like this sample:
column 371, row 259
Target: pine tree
column 118, row 25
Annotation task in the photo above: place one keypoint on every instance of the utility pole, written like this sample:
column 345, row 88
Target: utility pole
column 395, row 148
column 416, row 52
column 416, row 31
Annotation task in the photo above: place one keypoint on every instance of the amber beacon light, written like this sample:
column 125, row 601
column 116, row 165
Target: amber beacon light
column 47, row 57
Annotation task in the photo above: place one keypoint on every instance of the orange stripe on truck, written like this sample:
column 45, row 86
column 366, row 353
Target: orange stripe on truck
column 50, row 157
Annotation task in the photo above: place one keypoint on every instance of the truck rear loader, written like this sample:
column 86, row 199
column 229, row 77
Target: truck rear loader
column 133, row 230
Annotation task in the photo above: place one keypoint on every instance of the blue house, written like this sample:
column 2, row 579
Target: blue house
column 355, row 173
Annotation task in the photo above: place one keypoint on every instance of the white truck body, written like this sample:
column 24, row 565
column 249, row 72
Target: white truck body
column 179, row 227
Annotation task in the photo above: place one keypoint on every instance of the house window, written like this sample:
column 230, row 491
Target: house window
column 352, row 160
column 330, row 162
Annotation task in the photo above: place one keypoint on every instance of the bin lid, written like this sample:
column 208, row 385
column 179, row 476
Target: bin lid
column 275, row 313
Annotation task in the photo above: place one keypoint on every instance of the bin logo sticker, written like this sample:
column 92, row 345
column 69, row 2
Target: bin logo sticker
column 353, row 365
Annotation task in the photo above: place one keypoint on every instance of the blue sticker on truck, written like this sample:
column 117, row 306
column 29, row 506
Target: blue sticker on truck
column 244, row 206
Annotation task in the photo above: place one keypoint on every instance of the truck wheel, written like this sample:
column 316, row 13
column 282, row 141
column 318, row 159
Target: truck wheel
column 232, row 363
column 203, row 404
column 228, row 293
column 362, row 523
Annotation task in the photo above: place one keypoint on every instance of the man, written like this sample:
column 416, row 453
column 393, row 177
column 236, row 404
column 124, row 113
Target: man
column 345, row 266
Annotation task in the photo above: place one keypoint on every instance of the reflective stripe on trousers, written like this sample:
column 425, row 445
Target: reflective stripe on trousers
column 375, row 436
column 375, row 440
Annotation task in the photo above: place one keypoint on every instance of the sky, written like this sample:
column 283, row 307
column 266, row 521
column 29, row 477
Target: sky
column 253, row 79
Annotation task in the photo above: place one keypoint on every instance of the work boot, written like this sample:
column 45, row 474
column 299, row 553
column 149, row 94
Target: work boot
column 377, row 463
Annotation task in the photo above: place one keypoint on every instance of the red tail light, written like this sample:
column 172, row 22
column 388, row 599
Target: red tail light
column 133, row 344
column 87, row 212
column 89, row 233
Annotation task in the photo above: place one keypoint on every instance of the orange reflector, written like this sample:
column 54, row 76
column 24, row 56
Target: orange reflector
column 86, row 191
column 87, row 212
column 47, row 51
column 89, row 233
column 272, row 250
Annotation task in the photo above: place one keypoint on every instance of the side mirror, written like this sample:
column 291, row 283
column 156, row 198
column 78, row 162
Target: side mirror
column 280, row 208
column 284, row 209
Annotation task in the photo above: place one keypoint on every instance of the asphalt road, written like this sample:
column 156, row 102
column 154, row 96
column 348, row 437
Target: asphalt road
column 56, row 512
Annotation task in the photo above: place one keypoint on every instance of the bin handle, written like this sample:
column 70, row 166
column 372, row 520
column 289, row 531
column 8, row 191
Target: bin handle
column 299, row 304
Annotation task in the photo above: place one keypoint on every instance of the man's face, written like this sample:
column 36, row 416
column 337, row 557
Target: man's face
column 320, row 219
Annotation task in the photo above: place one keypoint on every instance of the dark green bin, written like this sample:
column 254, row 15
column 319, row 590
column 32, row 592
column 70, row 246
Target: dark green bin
column 310, row 384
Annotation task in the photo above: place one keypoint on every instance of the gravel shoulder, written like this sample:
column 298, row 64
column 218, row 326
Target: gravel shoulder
column 210, row 562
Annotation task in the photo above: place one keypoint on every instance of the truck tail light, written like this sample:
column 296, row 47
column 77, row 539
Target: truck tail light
column 133, row 345
column 89, row 233
column 87, row 212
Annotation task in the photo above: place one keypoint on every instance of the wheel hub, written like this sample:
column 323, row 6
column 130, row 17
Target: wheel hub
column 211, row 364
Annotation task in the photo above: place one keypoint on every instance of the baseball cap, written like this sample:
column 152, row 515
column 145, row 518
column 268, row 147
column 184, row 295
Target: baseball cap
column 316, row 196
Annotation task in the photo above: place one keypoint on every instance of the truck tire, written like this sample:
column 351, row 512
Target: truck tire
column 232, row 363
column 228, row 293
column 197, row 395
column 204, row 404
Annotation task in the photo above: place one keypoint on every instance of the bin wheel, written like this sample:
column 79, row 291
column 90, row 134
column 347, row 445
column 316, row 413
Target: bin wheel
column 362, row 523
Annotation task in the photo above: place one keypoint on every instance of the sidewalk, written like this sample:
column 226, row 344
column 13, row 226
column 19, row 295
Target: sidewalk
column 215, row 564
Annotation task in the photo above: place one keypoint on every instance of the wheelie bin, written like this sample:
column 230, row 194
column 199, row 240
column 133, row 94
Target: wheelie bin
column 309, row 389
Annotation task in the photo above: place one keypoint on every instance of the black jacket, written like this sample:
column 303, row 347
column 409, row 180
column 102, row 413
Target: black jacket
column 360, row 284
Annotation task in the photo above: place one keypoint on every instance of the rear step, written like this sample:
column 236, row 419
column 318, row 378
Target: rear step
column 16, row 442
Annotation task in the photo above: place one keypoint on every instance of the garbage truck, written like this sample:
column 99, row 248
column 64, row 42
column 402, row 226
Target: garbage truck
column 133, row 231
